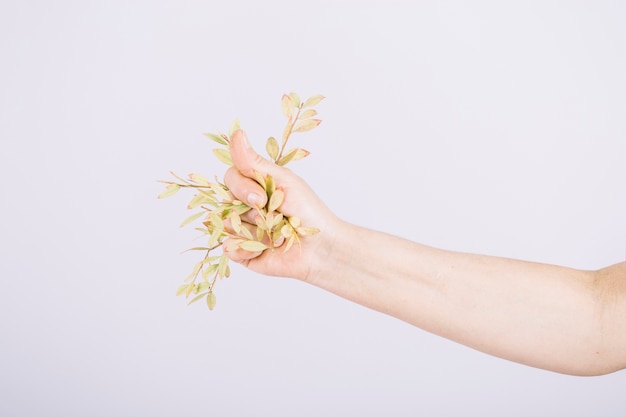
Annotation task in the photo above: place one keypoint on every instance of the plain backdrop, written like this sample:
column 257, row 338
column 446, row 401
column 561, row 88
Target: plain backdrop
column 488, row 127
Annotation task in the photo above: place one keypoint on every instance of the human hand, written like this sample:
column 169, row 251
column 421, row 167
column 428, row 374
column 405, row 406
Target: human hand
column 300, row 201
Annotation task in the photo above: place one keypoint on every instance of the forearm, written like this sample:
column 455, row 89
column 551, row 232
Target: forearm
column 541, row 315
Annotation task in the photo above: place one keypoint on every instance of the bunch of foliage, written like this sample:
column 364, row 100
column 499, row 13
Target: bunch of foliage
column 219, row 212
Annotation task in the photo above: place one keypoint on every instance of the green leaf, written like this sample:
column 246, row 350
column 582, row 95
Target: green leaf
column 270, row 185
column 276, row 200
column 277, row 220
column 210, row 300
column 293, row 155
column 290, row 241
column 198, row 200
column 190, row 288
column 196, row 248
column 222, row 266
column 308, row 113
column 219, row 190
column 261, row 223
column 272, row 148
column 276, row 234
column 170, row 190
column 269, row 220
column 306, row 125
column 196, row 268
column 294, row 221
column 286, row 133
column 179, row 178
column 209, row 259
column 233, row 127
column 259, row 178
column 209, row 193
column 253, row 246
column 235, row 221
column 286, row 231
column 313, row 101
column 245, row 233
column 300, row 154
column 217, row 222
column 215, row 236
column 216, row 138
column 295, row 99
column 191, row 218
column 197, row 297
column 287, row 157
column 199, row 179
column 182, row 289
column 242, row 208
column 286, row 105
column 209, row 270
column 259, row 233
column 223, row 155
column 307, row 231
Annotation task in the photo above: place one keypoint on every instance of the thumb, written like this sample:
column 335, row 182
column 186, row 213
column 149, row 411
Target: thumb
column 246, row 160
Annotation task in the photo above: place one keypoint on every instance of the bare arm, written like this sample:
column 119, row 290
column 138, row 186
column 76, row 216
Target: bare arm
column 546, row 316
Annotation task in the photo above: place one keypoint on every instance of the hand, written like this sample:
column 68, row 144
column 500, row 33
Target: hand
column 300, row 201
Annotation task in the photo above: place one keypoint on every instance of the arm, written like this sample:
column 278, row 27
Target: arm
column 545, row 316
column 555, row 318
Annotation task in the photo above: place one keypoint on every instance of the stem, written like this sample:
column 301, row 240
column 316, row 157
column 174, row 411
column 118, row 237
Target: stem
column 213, row 283
column 185, row 185
column 206, row 255
column 286, row 139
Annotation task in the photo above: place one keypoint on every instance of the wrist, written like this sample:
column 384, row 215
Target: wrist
column 332, row 246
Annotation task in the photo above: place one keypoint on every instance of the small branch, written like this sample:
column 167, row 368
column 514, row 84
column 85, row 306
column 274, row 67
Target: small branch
column 293, row 124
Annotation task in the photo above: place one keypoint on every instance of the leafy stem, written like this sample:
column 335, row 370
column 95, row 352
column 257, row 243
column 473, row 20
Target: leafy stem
column 221, row 214
column 288, row 131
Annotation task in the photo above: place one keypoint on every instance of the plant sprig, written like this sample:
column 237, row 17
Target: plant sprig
column 219, row 212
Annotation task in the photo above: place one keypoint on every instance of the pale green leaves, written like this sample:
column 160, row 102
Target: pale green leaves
column 220, row 216
column 276, row 200
column 287, row 106
column 293, row 155
column 223, row 155
column 295, row 99
column 201, row 291
column 234, row 126
column 210, row 300
column 306, row 125
column 272, row 148
column 253, row 246
column 191, row 218
column 221, row 139
column 170, row 190
column 299, row 119
column 199, row 179
column 308, row 114
column 313, row 101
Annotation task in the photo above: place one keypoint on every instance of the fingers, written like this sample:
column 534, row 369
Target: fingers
column 241, row 178
column 244, row 188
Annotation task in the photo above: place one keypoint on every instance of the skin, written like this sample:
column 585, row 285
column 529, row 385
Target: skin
column 546, row 316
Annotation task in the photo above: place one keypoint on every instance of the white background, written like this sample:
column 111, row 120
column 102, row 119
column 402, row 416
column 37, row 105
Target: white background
column 488, row 127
